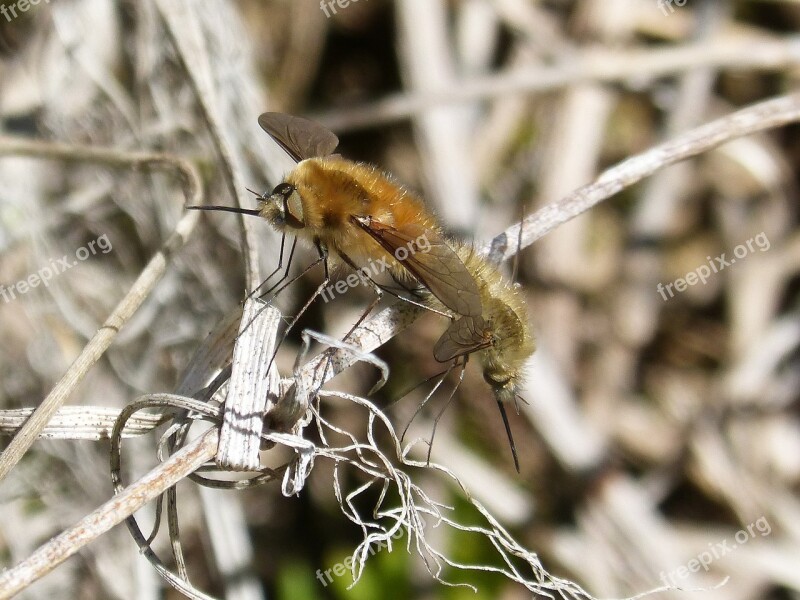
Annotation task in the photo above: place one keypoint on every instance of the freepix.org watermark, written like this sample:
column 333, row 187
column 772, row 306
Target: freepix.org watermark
column 716, row 550
column 56, row 267
column 9, row 11
column 329, row 6
column 365, row 274
column 703, row 272
column 346, row 566
column 667, row 4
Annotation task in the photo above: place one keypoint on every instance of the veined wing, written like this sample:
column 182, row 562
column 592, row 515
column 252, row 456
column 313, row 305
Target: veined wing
column 464, row 336
column 301, row 138
column 439, row 268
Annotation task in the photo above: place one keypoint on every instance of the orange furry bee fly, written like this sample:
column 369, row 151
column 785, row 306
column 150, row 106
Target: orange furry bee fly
column 359, row 214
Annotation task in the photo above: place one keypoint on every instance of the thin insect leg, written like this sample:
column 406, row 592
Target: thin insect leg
column 416, row 291
column 372, row 305
column 521, row 399
column 378, row 289
column 268, row 302
column 378, row 296
column 427, row 399
column 285, row 272
column 508, row 433
column 252, row 212
column 395, row 293
column 413, row 302
column 323, row 258
column 382, row 288
column 416, row 385
column 449, row 400
column 278, row 268
column 398, row 289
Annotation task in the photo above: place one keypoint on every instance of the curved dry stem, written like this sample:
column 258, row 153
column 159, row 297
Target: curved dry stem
column 141, row 288
column 757, row 117
column 182, row 26
column 596, row 65
column 113, row 512
column 368, row 457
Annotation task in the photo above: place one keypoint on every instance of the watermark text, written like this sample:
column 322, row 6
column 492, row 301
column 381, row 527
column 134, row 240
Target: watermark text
column 9, row 11
column 364, row 274
column 329, row 6
column 56, row 267
column 663, row 5
column 703, row 272
column 716, row 550
column 346, row 565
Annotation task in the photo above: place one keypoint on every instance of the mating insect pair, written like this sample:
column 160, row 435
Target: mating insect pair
column 360, row 215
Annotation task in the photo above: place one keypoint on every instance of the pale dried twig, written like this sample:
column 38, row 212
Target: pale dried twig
column 80, row 423
column 141, row 288
column 596, row 65
column 376, row 331
column 113, row 512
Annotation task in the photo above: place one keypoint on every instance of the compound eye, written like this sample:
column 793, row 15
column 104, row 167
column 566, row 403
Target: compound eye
column 496, row 381
column 283, row 189
column 291, row 205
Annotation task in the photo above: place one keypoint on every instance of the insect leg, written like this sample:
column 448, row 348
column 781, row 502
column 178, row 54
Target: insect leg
column 278, row 268
column 417, row 291
column 416, row 385
column 449, row 400
column 323, row 258
column 372, row 305
column 427, row 398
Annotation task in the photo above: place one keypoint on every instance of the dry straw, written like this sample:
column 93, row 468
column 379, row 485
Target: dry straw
column 383, row 466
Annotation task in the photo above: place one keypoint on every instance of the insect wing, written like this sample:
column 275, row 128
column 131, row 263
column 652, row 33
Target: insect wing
column 299, row 137
column 439, row 269
column 464, row 336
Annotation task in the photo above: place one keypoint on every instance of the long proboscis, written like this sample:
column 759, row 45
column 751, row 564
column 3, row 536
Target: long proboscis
column 508, row 433
column 242, row 211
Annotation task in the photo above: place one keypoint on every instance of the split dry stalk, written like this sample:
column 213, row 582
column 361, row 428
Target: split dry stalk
column 758, row 117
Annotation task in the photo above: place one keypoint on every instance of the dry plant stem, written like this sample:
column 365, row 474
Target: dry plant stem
column 141, row 288
column 757, row 117
column 185, row 32
column 47, row 557
column 596, row 65
column 253, row 386
column 80, row 423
